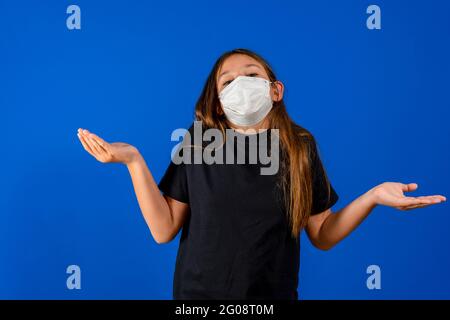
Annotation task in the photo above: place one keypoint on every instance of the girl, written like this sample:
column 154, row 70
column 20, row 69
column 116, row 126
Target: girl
column 240, row 228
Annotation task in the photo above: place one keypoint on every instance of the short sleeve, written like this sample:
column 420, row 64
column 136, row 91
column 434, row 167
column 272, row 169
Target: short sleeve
column 174, row 182
column 323, row 197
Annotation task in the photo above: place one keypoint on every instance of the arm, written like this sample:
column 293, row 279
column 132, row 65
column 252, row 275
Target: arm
column 163, row 215
column 326, row 229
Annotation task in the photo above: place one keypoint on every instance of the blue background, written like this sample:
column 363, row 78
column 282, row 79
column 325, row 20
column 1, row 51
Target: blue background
column 376, row 100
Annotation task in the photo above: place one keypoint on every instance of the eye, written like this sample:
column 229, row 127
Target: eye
column 253, row 74
column 226, row 83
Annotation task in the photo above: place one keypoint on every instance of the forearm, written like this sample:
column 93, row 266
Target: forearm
column 153, row 205
column 340, row 224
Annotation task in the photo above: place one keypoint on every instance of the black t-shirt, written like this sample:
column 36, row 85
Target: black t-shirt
column 236, row 242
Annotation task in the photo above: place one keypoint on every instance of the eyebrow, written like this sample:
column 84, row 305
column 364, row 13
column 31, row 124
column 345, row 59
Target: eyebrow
column 246, row 66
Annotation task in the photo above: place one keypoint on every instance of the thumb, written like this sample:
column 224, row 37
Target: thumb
column 409, row 187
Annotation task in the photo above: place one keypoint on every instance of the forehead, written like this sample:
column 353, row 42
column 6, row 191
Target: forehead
column 237, row 62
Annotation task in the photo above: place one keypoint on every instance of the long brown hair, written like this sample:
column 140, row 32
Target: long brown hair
column 295, row 142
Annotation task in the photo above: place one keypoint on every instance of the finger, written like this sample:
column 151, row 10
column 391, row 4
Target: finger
column 102, row 143
column 99, row 150
column 418, row 203
column 409, row 187
column 91, row 145
column 85, row 133
column 438, row 196
column 416, row 206
column 435, row 198
column 410, row 201
column 86, row 146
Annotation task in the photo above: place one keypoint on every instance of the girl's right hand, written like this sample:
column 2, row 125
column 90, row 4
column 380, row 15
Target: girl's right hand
column 107, row 152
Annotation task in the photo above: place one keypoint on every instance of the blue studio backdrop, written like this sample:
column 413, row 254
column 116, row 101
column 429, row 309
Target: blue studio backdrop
column 376, row 100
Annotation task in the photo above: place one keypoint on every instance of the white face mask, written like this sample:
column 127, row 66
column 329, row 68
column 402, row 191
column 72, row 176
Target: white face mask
column 246, row 100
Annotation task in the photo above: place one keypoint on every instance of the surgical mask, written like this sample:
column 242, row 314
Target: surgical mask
column 246, row 100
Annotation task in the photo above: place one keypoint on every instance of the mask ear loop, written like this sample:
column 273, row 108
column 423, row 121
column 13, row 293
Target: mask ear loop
column 276, row 88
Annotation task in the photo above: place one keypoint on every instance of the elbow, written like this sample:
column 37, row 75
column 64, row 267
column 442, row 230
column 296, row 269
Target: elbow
column 323, row 246
column 161, row 239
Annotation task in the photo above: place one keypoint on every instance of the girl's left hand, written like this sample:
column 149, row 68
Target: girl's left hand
column 392, row 194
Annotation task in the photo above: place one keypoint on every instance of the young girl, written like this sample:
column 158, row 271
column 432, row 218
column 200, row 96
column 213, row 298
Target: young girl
column 241, row 228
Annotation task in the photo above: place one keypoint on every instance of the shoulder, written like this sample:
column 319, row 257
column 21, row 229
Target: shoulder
column 193, row 135
column 197, row 127
column 307, row 139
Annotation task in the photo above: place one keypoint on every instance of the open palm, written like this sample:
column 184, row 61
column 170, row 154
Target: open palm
column 106, row 152
column 392, row 194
